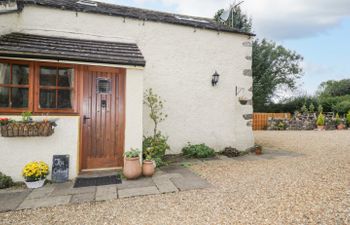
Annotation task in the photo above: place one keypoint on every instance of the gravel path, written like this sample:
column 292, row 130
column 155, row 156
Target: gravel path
column 308, row 184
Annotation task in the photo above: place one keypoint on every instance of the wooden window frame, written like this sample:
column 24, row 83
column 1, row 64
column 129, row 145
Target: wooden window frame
column 34, row 88
column 29, row 86
column 74, row 89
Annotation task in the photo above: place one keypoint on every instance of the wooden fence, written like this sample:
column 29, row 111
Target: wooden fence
column 260, row 119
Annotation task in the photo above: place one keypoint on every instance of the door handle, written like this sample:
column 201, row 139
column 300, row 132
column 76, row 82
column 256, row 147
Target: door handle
column 85, row 118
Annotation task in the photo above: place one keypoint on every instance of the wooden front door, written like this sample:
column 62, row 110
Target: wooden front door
column 103, row 117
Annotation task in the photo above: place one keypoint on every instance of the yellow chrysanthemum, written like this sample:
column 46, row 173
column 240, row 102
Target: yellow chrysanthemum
column 35, row 170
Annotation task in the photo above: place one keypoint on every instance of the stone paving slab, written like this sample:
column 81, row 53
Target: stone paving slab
column 186, row 184
column 108, row 192
column 41, row 192
column 141, row 182
column 84, row 197
column 45, row 202
column 11, row 200
column 164, row 184
column 67, row 189
column 167, row 180
column 133, row 192
column 166, row 187
column 179, row 170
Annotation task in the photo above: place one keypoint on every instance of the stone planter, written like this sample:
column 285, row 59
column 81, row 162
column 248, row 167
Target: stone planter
column 148, row 168
column 132, row 168
column 35, row 184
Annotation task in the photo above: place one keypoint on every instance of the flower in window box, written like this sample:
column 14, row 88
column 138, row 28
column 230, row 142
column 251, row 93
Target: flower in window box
column 4, row 121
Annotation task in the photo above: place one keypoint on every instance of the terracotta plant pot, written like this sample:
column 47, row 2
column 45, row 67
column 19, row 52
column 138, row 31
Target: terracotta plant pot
column 340, row 126
column 132, row 168
column 320, row 128
column 148, row 168
column 258, row 150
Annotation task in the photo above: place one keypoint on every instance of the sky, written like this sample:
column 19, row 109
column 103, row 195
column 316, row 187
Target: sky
column 319, row 30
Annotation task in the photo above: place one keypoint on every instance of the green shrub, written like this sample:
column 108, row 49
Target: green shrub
column 198, row 151
column 304, row 109
column 342, row 107
column 154, row 147
column 320, row 108
column 320, row 120
column 348, row 118
column 337, row 119
column 5, row 181
column 311, row 108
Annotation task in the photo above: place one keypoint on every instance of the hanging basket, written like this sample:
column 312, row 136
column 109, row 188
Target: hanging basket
column 28, row 129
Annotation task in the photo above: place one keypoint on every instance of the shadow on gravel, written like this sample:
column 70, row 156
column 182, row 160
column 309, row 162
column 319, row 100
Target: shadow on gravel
column 270, row 154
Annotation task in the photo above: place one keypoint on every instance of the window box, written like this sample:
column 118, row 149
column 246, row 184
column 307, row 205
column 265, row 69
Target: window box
column 28, row 129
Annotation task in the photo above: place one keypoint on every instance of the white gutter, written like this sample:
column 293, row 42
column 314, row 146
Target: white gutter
column 75, row 62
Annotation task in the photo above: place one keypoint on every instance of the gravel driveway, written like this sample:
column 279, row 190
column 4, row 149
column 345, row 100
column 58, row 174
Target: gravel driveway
column 303, row 179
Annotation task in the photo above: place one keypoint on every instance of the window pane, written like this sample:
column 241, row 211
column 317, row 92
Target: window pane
column 103, row 85
column 64, row 99
column 20, row 74
column 4, row 73
column 4, row 97
column 65, row 77
column 19, row 97
column 48, row 76
column 47, row 99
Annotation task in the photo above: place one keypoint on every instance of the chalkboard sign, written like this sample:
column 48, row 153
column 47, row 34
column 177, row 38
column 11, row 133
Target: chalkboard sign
column 60, row 168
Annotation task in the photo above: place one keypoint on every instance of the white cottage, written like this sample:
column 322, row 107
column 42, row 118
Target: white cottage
column 87, row 65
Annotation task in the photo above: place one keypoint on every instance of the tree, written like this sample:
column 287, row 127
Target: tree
column 273, row 66
column 236, row 19
column 155, row 146
column 335, row 95
column 155, row 105
column 334, row 88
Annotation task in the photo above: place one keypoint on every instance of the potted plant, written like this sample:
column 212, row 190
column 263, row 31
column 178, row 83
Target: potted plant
column 148, row 167
column 339, row 122
column 320, row 121
column 35, row 173
column 132, row 167
column 258, row 149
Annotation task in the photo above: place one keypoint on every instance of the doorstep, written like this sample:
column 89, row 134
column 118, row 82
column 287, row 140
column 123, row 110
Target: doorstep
column 169, row 179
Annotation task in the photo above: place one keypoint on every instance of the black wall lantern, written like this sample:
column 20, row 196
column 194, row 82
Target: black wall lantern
column 215, row 79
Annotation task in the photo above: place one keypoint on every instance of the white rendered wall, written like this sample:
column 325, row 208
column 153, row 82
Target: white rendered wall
column 133, row 109
column 17, row 151
column 180, row 62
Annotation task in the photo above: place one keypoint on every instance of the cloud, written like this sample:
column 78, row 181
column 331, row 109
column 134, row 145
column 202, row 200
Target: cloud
column 275, row 19
column 292, row 19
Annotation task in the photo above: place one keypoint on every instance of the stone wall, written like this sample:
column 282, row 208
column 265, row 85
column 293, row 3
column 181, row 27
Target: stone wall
column 302, row 122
